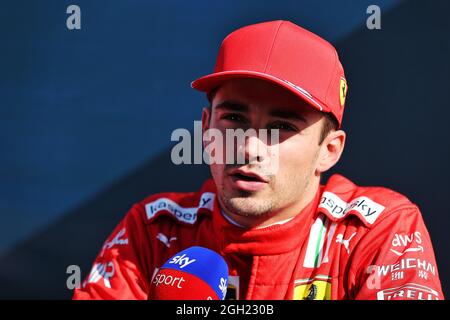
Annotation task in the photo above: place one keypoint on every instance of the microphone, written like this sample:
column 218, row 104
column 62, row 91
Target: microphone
column 196, row 273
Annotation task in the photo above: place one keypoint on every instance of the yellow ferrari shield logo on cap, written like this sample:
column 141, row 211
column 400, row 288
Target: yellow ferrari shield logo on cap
column 342, row 91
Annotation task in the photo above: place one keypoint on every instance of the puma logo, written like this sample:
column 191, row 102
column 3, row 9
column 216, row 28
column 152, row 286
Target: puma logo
column 346, row 243
column 163, row 238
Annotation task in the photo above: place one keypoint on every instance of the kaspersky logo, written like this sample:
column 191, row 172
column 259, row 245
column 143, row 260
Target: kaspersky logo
column 338, row 208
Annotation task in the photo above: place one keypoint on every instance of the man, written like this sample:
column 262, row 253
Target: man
column 282, row 234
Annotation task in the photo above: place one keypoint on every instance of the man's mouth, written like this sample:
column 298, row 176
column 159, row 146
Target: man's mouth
column 248, row 180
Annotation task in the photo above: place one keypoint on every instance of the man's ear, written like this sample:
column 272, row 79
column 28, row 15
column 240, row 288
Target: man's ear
column 206, row 118
column 330, row 150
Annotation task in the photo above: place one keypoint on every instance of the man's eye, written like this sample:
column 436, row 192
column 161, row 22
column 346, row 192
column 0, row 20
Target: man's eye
column 233, row 117
column 283, row 126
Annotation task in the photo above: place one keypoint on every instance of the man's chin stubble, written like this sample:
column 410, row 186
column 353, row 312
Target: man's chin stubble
column 245, row 206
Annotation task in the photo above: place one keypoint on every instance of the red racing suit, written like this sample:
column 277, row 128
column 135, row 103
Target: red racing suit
column 350, row 242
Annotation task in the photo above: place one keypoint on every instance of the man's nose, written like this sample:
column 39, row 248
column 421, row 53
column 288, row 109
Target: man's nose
column 255, row 149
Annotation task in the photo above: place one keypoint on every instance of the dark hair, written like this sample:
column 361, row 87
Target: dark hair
column 329, row 124
column 210, row 95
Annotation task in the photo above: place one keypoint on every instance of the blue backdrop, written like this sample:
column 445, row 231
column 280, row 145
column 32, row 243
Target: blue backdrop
column 86, row 115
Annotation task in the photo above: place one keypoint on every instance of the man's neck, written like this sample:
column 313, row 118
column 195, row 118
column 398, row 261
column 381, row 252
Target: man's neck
column 230, row 220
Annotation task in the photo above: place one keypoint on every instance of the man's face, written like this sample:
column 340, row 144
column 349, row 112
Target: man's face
column 275, row 176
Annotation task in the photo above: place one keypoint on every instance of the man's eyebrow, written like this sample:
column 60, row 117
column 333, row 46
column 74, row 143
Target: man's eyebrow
column 231, row 105
column 288, row 115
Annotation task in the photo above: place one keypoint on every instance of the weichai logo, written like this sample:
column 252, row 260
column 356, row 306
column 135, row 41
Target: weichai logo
column 406, row 264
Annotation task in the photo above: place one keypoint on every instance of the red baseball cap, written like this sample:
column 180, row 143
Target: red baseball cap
column 284, row 54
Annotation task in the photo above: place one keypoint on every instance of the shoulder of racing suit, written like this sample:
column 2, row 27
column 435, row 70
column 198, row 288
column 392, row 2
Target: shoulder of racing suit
column 182, row 208
column 341, row 199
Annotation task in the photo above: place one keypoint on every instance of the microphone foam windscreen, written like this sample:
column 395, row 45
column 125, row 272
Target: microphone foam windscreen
column 194, row 273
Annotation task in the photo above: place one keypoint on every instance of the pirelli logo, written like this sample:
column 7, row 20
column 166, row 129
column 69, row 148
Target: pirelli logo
column 368, row 209
column 183, row 214
column 408, row 291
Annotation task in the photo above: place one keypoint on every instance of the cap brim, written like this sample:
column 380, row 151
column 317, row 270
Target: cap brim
column 212, row 81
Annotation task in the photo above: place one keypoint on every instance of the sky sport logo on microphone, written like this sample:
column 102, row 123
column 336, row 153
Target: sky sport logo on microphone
column 196, row 273
column 223, row 287
column 182, row 260
column 168, row 280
